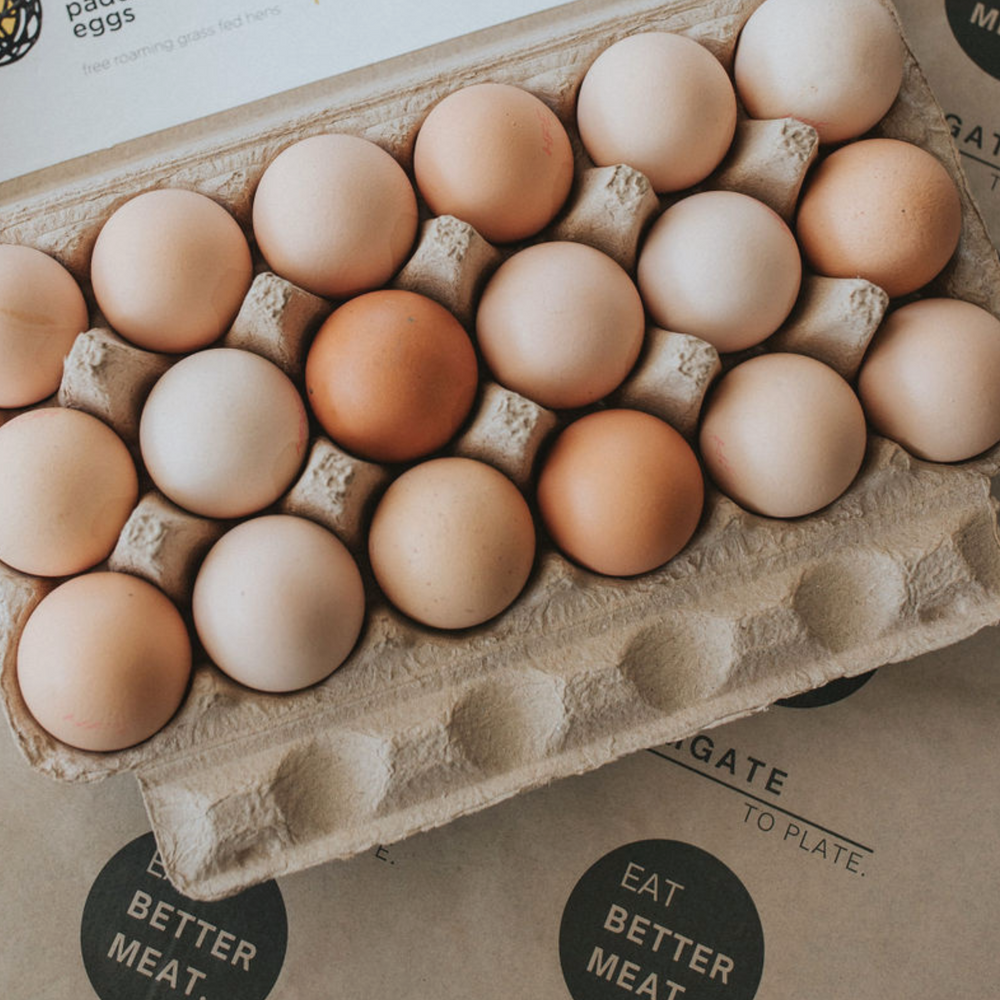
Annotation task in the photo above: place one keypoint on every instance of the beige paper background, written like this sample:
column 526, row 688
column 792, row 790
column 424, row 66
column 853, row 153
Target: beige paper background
column 969, row 97
column 905, row 766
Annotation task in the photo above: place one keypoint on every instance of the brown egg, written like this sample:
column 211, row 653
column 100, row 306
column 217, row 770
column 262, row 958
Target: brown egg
column 223, row 433
column 170, row 269
column 335, row 215
column 391, row 375
column 621, row 492
column 783, row 435
column 560, row 323
column 836, row 66
column 496, row 157
column 661, row 103
column 278, row 603
column 104, row 661
column 68, row 487
column 883, row 210
column 452, row 542
column 721, row 266
column 41, row 311
column 931, row 379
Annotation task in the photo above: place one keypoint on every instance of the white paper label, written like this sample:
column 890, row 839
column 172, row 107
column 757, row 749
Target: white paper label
column 85, row 75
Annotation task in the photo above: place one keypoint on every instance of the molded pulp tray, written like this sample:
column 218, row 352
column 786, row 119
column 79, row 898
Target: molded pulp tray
column 419, row 727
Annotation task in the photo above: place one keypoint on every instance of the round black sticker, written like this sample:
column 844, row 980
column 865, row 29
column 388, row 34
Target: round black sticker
column 661, row 920
column 838, row 690
column 976, row 27
column 20, row 26
column 141, row 937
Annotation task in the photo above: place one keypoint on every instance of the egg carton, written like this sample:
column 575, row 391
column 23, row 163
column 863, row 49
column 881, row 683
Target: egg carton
column 419, row 726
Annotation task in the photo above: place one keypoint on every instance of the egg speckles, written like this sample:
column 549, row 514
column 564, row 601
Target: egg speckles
column 883, row 210
column 496, row 157
column 452, row 542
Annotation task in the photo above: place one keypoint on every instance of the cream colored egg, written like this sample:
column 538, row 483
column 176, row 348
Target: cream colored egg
column 496, row 157
column 41, row 312
column 452, row 542
column 783, row 435
column 104, row 661
column 931, row 379
column 836, row 66
column 661, row 103
column 223, row 433
column 170, row 269
column 67, row 489
column 721, row 266
column 335, row 214
column 278, row 603
column 560, row 323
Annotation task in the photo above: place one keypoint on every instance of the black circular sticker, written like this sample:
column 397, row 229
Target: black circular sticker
column 141, row 937
column 20, row 26
column 976, row 27
column 661, row 920
column 830, row 693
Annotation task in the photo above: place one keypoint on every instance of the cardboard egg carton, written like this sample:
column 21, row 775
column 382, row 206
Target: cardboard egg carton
column 421, row 726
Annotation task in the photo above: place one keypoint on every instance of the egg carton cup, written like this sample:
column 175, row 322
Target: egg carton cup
column 419, row 726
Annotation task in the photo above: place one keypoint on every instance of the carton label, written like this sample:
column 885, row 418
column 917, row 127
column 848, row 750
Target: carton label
column 140, row 937
column 661, row 920
column 976, row 27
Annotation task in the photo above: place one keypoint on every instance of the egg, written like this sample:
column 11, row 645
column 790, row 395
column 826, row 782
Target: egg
column 41, row 312
column 880, row 209
column 104, row 661
column 783, row 435
column 68, row 487
column 170, row 269
column 931, row 379
column 335, row 215
column 278, row 603
column 620, row 492
column 452, row 542
column 560, row 323
column 223, row 433
column 721, row 266
column 836, row 66
column 496, row 157
column 661, row 103
column 391, row 375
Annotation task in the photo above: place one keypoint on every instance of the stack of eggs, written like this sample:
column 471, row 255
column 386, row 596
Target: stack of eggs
column 392, row 376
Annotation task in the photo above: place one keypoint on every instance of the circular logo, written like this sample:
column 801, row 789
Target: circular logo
column 976, row 27
column 662, row 920
column 20, row 26
column 835, row 691
column 141, row 937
